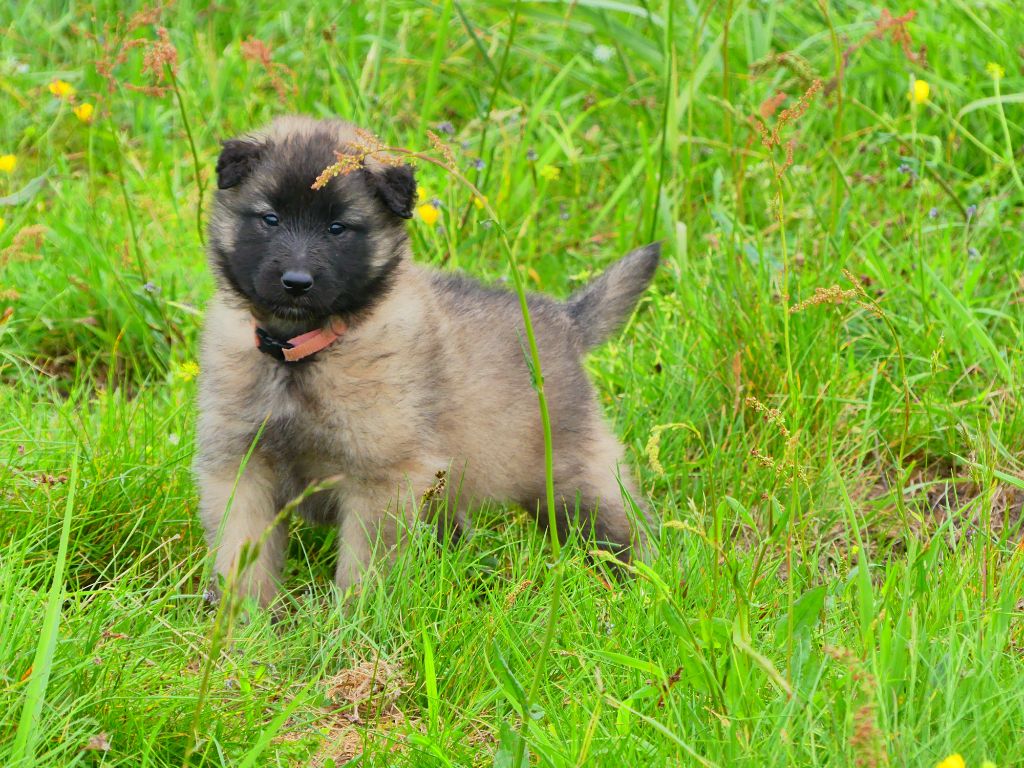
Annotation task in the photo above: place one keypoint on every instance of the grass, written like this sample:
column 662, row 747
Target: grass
column 838, row 580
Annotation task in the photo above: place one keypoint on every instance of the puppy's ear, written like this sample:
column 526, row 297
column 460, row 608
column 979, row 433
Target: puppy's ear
column 396, row 187
column 237, row 160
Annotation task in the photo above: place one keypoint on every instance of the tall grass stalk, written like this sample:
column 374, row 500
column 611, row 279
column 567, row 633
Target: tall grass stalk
column 23, row 749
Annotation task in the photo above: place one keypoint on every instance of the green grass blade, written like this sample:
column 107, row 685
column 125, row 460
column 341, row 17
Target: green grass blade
column 23, row 751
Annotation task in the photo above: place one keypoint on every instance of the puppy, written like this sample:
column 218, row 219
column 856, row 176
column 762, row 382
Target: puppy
column 348, row 361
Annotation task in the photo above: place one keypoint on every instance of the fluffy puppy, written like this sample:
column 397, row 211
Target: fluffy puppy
column 349, row 361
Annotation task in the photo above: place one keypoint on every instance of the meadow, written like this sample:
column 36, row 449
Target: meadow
column 820, row 395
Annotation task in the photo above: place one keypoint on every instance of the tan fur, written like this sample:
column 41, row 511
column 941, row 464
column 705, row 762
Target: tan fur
column 432, row 378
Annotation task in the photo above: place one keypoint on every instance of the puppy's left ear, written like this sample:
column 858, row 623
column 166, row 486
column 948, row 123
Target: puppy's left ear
column 395, row 185
column 237, row 160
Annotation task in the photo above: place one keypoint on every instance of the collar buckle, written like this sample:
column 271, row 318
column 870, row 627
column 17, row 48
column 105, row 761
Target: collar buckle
column 268, row 345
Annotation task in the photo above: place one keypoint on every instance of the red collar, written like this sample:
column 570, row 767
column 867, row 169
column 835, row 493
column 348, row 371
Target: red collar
column 302, row 346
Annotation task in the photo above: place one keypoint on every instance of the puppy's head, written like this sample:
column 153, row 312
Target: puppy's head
column 295, row 254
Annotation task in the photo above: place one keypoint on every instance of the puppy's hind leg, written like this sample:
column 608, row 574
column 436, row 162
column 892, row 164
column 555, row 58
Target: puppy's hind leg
column 605, row 508
column 589, row 500
column 604, row 484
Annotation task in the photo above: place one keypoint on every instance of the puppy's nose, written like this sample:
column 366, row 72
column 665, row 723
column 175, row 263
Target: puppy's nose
column 296, row 283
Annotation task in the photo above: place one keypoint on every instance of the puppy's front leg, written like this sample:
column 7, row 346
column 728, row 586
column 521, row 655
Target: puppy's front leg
column 251, row 513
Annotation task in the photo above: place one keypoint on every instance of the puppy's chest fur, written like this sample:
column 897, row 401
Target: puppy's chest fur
column 358, row 409
column 349, row 413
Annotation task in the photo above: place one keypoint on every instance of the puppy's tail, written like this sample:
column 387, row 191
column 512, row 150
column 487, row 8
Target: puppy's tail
column 602, row 306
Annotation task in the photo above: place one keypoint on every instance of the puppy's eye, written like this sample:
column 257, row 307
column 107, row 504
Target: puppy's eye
column 336, row 228
column 271, row 220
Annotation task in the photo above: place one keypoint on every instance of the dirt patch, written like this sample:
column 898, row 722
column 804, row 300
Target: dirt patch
column 363, row 705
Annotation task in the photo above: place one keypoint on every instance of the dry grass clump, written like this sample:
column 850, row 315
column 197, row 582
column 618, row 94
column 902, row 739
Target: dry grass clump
column 362, row 706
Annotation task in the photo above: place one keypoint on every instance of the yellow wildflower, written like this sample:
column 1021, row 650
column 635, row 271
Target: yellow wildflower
column 2, row 223
column 421, row 194
column 550, row 172
column 62, row 89
column 479, row 202
column 187, row 371
column 84, row 112
column 919, row 92
column 534, row 275
column 8, row 163
column 428, row 213
column 953, row 761
column 996, row 71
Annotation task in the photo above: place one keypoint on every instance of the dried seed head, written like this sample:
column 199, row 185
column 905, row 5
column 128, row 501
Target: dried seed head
column 831, row 295
column 256, row 50
column 771, row 415
column 160, row 53
column 442, row 149
column 356, row 152
column 764, row 459
column 435, row 490
column 771, row 105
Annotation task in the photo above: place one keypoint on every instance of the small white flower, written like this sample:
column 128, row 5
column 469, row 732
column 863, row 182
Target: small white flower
column 603, row 53
column 173, row 438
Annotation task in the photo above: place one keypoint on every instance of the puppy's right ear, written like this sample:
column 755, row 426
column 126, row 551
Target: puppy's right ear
column 237, row 160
